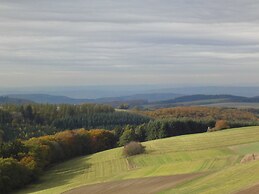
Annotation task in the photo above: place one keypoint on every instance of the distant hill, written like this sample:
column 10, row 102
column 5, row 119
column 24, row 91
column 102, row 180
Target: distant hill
column 213, row 90
column 201, row 99
column 45, row 98
column 150, row 100
column 137, row 99
column 8, row 100
column 95, row 91
column 253, row 99
column 150, row 97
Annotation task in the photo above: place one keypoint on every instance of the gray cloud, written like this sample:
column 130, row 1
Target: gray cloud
column 129, row 42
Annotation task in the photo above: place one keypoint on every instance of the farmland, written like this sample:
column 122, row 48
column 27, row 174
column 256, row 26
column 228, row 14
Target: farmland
column 215, row 155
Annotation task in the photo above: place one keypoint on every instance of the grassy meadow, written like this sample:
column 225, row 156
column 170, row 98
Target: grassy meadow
column 217, row 155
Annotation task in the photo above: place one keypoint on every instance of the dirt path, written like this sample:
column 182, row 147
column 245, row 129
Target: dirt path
column 137, row 186
column 251, row 190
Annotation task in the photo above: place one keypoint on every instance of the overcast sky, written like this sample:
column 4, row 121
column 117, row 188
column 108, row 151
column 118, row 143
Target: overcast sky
column 85, row 42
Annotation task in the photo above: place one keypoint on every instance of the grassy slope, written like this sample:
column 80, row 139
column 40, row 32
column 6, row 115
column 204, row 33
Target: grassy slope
column 216, row 153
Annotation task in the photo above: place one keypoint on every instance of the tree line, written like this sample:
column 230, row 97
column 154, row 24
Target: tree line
column 162, row 128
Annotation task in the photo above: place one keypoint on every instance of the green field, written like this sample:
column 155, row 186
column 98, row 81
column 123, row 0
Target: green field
column 217, row 154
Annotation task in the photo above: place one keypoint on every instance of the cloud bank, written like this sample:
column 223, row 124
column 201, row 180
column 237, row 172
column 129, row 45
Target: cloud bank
column 83, row 42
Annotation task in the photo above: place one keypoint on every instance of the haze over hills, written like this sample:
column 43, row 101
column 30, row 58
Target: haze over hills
column 137, row 98
column 200, row 100
column 215, row 90
column 225, row 98
column 156, row 100
column 9, row 100
column 93, row 92
column 85, row 92
column 46, row 98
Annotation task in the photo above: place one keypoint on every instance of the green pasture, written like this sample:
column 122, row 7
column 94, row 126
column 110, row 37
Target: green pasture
column 217, row 154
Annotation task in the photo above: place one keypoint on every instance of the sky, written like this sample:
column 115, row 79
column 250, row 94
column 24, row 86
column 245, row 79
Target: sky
column 116, row 42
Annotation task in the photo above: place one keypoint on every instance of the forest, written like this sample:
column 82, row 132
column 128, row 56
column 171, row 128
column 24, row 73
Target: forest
column 201, row 112
column 33, row 120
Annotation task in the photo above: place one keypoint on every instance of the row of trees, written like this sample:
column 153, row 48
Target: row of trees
column 22, row 162
column 161, row 128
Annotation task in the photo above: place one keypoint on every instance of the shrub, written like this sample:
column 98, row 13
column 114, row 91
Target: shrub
column 221, row 124
column 133, row 148
column 13, row 175
column 123, row 106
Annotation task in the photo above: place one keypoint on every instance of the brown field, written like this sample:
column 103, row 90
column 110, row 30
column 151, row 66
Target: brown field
column 137, row 186
column 251, row 190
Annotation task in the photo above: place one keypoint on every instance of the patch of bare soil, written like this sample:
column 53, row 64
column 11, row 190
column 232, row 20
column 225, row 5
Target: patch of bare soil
column 249, row 158
column 251, row 190
column 149, row 185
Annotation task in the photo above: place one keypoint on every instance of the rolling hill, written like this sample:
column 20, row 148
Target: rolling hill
column 8, row 100
column 200, row 163
column 214, row 90
column 136, row 99
column 149, row 99
column 204, row 100
column 95, row 91
column 45, row 98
